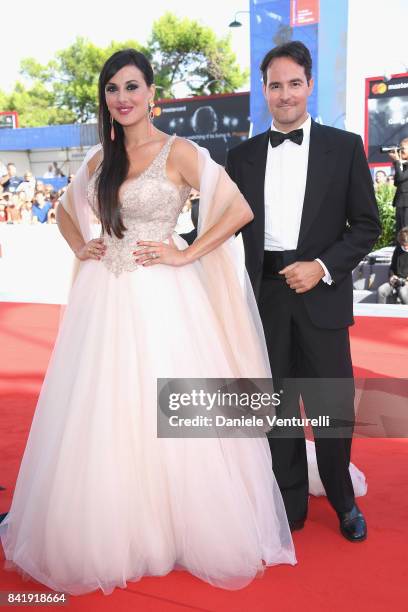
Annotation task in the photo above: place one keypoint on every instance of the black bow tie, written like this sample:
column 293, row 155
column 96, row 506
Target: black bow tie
column 276, row 138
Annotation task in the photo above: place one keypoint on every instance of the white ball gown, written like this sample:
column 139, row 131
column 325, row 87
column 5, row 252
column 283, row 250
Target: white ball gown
column 100, row 500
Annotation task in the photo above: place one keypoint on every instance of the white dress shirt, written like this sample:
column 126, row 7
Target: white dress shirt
column 285, row 184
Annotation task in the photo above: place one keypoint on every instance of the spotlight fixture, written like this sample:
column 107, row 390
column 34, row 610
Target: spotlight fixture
column 235, row 23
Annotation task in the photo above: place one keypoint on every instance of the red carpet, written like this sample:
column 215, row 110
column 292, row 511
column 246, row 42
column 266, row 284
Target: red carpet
column 331, row 574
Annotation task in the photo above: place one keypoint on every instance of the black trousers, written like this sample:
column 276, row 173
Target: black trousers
column 401, row 218
column 297, row 349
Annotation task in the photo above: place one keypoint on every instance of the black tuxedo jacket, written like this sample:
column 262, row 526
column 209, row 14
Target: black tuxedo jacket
column 339, row 224
column 401, row 183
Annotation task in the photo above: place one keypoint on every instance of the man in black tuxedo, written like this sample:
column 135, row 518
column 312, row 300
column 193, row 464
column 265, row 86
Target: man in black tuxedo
column 315, row 218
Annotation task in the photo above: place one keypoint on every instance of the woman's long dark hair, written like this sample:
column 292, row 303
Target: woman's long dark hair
column 115, row 164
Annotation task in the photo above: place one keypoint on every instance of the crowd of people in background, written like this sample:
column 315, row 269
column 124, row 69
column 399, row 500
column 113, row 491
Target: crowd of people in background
column 26, row 199
column 31, row 200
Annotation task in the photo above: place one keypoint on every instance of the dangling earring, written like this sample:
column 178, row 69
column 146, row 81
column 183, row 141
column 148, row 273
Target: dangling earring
column 151, row 117
column 112, row 129
column 151, row 113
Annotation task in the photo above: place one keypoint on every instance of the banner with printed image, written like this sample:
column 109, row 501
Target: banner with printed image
column 218, row 122
column 386, row 115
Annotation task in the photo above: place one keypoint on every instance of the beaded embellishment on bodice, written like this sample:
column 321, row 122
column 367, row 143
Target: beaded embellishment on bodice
column 150, row 205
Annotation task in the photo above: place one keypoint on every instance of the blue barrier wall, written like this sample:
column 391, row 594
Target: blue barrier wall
column 49, row 137
column 58, row 182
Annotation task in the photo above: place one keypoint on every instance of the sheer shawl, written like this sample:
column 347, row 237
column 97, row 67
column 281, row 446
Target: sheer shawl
column 222, row 271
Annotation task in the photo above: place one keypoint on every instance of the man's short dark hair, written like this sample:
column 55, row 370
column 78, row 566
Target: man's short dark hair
column 296, row 51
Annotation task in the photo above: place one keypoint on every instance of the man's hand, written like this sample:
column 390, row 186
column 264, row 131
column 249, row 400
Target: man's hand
column 303, row 275
column 395, row 156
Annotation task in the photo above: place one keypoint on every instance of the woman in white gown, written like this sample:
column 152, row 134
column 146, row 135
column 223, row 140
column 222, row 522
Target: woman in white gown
column 100, row 500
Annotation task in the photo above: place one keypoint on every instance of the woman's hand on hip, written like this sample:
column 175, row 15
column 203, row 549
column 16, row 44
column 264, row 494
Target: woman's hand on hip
column 150, row 253
column 94, row 249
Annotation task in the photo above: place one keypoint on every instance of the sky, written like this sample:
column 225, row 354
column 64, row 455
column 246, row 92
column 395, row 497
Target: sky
column 45, row 27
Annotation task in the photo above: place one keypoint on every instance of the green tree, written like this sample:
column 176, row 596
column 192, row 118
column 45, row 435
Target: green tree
column 184, row 51
column 36, row 106
column 384, row 195
column 72, row 77
column 65, row 89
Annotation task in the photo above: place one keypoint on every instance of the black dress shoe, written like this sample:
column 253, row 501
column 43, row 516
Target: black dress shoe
column 352, row 525
column 297, row 525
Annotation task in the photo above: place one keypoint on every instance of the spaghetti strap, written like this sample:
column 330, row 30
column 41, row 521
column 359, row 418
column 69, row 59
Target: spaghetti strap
column 164, row 153
column 158, row 166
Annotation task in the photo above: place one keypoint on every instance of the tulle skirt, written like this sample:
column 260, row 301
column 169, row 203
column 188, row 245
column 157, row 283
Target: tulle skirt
column 100, row 500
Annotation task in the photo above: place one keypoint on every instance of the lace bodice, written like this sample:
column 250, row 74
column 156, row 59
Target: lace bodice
column 150, row 205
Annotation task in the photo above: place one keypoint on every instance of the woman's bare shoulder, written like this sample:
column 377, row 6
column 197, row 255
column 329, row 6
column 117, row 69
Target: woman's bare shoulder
column 184, row 148
column 184, row 159
column 184, row 156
